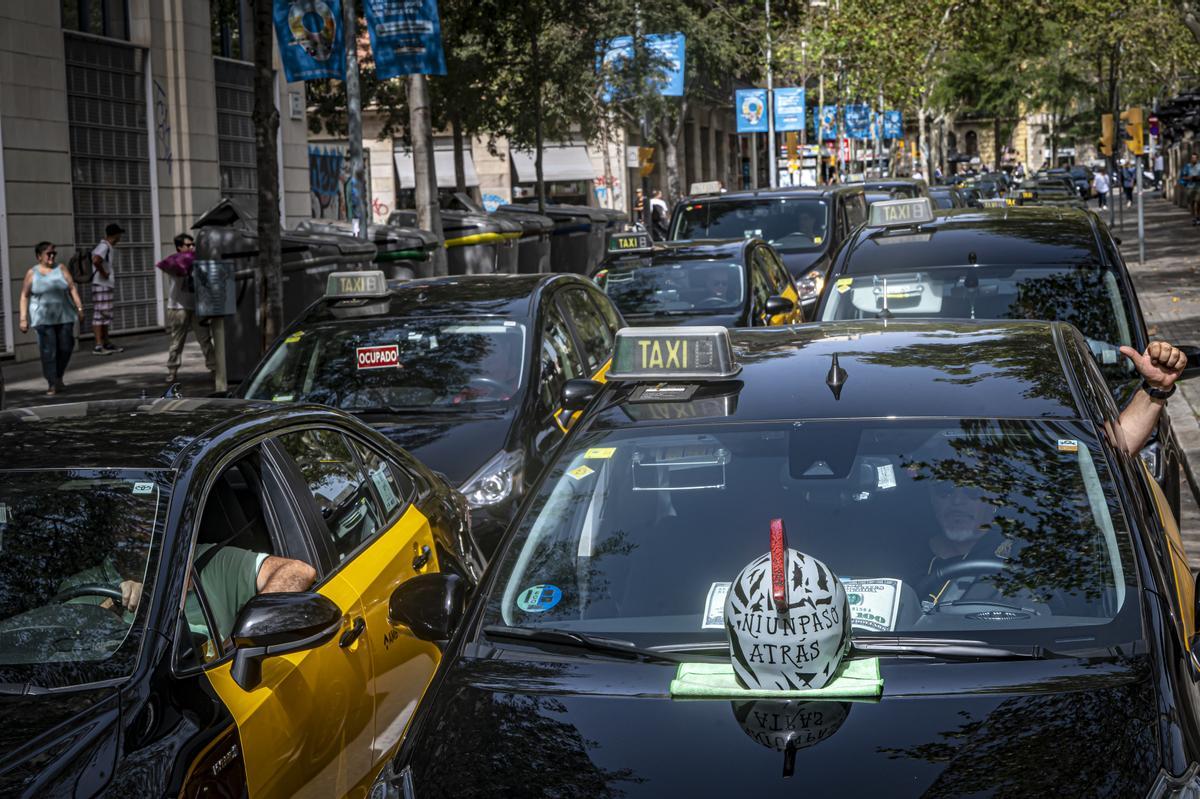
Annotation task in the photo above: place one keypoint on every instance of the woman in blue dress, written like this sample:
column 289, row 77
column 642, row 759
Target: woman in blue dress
column 50, row 302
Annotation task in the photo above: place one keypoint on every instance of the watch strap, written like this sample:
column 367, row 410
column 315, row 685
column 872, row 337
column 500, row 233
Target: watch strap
column 1157, row 393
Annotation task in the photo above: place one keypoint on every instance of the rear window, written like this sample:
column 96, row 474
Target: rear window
column 684, row 287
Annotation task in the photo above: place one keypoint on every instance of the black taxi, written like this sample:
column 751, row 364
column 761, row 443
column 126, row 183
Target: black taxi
column 805, row 225
column 880, row 189
column 733, row 282
column 1015, row 580
column 464, row 372
column 912, row 261
column 211, row 598
column 1045, row 189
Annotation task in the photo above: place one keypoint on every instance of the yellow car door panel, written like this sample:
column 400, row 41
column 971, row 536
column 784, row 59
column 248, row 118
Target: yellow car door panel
column 1185, row 584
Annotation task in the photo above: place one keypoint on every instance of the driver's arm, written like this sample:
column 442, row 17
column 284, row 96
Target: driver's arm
column 284, row 574
column 1160, row 366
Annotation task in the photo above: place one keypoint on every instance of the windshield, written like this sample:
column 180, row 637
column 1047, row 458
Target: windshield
column 438, row 363
column 1086, row 296
column 978, row 529
column 70, row 541
column 790, row 223
column 695, row 286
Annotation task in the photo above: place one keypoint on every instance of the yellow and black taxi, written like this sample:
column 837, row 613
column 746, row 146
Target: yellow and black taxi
column 1046, row 189
column 464, row 372
column 215, row 598
column 805, row 225
column 733, row 283
column 915, row 262
column 1022, row 618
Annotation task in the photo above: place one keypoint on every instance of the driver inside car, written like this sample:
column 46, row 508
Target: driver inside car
column 965, row 532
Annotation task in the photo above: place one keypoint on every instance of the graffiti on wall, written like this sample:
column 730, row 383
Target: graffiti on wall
column 162, row 125
column 332, row 192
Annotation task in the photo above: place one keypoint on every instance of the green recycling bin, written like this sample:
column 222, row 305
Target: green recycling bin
column 401, row 252
column 473, row 241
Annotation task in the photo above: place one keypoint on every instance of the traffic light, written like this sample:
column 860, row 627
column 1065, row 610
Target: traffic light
column 1132, row 132
column 1106, row 134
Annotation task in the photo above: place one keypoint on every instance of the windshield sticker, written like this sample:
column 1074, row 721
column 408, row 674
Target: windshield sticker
column 843, row 285
column 143, row 488
column 600, row 453
column 386, row 356
column 998, row 615
column 283, row 398
column 818, row 239
column 539, row 598
column 384, row 486
column 292, row 339
column 1068, row 445
column 873, row 603
column 714, row 607
column 885, row 477
column 581, row 472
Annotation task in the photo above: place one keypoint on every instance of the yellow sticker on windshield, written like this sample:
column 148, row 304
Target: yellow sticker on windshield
column 580, row 472
column 817, row 239
column 1068, row 445
column 600, row 453
column 292, row 339
column 843, row 285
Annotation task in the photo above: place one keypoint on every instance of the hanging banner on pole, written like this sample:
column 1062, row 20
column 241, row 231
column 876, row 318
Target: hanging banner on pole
column 668, row 51
column 312, row 44
column 858, row 121
column 751, row 110
column 828, row 119
column 789, row 109
column 406, row 37
column 893, row 125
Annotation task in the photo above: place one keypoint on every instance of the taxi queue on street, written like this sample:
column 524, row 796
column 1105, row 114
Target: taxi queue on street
column 537, row 518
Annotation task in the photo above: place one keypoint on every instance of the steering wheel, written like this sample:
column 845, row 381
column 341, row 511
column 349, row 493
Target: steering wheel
column 88, row 589
column 975, row 567
column 712, row 302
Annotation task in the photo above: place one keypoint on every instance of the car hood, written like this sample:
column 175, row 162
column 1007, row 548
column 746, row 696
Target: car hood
column 455, row 444
column 58, row 744
column 799, row 262
column 541, row 727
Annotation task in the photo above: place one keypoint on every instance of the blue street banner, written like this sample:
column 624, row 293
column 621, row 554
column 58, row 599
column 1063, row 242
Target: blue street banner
column 406, row 37
column 312, row 44
column 828, row 117
column 858, row 121
column 893, row 125
column 751, row 106
column 669, row 51
column 789, row 109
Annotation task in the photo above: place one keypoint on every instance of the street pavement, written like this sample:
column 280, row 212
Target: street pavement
column 1169, row 293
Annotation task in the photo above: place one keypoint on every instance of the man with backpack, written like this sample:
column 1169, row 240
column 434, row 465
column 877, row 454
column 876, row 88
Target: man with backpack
column 181, row 307
column 104, row 288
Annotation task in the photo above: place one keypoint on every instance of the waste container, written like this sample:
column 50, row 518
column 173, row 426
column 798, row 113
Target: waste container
column 533, row 248
column 577, row 241
column 473, row 241
column 401, row 252
column 229, row 233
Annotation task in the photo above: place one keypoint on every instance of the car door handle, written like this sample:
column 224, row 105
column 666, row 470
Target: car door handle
column 351, row 635
column 419, row 561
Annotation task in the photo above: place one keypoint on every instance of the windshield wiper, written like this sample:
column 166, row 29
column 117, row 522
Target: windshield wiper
column 21, row 689
column 951, row 648
column 575, row 640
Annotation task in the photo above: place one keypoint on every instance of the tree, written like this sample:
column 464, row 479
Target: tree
column 266, row 136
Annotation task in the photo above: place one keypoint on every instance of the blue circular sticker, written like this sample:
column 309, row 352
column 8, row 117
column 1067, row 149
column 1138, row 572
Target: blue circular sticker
column 539, row 598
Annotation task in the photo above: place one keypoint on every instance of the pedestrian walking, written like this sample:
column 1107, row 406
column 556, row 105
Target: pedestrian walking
column 50, row 304
column 1189, row 180
column 1101, row 187
column 181, row 307
column 658, row 216
column 104, row 288
column 1128, row 180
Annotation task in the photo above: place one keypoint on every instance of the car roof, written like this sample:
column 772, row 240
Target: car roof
column 510, row 295
column 781, row 192
column 1026, row 235
column 128, row 433
column 908, row 368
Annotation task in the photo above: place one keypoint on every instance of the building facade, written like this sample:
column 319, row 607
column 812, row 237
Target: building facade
column 128, row 111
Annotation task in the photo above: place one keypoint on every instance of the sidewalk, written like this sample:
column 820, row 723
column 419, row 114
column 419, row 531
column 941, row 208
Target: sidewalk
column 1169, row 292
column 141, row 370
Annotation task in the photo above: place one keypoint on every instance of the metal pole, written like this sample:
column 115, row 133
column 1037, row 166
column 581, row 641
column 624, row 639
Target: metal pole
column 647, row 209
column 155, row 219
column 1140, row 216
column 774, row 177
column 358, row 183
column 429, row 215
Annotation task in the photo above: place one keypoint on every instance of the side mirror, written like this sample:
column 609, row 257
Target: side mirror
column 1193, row 360
column 431, row 605
column 577, row 393
column 779, row 305
column 278, row 624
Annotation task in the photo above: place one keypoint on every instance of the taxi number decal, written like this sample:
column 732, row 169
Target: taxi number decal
column 382, row 357
column 843, row 285
column 600, row 453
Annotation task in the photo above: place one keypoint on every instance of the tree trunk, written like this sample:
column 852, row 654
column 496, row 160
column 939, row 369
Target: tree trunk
column 996, row 148
column 670, row 136
column 535, row 56
column 266, row 135
column 922, row 146
column 1190, row 12
column 358, row 176
column 609, row 188
column 429, row 215
column 460, row 168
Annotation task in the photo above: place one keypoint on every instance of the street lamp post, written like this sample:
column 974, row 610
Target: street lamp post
column 773, row 178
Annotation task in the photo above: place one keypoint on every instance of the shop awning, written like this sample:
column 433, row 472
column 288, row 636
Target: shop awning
column 558, row 163
column 443, row 162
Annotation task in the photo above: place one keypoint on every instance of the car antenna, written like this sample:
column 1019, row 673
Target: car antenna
column 836, row 378
column 885, row 313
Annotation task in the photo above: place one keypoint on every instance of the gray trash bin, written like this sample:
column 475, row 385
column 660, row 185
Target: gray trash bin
column 401, row 252
column 578, row 239
column 472, row 240
column 533, row 248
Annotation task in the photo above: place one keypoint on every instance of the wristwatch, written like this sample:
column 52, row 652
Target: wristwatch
column 1157, row 393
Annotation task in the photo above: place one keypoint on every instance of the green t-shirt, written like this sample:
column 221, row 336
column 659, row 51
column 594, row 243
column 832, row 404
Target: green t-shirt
column 228, row 579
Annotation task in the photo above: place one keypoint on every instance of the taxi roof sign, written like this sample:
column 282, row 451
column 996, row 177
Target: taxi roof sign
column 673, row 353
column 351, row 285
column 994, row 202
column 629, row 242
column 901, row 213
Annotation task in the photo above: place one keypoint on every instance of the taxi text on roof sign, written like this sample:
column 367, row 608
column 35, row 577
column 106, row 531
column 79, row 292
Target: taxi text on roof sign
column 668, row 353
column 901, row 213
column 629, row 242
column 345, row 285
